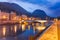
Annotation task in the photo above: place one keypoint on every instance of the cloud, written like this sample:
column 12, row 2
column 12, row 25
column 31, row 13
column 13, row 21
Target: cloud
column 41, row 2
column 56, row 9
column 49, row 9
column 3, row 0
column 53, row 1
column 31, row 7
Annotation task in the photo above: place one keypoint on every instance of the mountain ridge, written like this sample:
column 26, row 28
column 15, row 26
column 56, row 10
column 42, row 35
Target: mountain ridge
column 5, row 6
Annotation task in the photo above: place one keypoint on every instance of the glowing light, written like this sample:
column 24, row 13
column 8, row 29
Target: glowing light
column 25, row 18
column 40, row 28
column 4, row 31
column 20, row 22
column 25, row 23
column 20, row 19
column 37, row 24
column 29, row 18
column 28, row 27
column 41, row 20
column 15, row 18
column 23, row 27
column 4, row 17
column 15, row 28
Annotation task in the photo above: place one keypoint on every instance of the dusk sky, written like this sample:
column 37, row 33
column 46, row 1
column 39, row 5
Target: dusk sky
column 51, row 7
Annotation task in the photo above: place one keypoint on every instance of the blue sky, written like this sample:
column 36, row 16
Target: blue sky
column 51, row 7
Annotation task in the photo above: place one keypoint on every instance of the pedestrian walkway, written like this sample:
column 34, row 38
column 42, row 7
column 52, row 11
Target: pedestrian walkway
column 53, row 33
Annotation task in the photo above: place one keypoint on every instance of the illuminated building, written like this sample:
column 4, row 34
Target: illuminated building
column 13, row 15
column 24, row 17
column 4, row 16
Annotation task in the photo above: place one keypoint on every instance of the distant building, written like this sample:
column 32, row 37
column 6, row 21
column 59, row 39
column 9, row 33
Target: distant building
column 24, row 17
column 4, row 16
column 12, row 15
column 7, row 16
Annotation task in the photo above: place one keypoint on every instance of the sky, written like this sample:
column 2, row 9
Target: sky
column 51, row 7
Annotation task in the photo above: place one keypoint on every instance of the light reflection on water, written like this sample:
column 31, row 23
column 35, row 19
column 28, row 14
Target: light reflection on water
column 4, row 31
column 10, row 32
column 15, row 28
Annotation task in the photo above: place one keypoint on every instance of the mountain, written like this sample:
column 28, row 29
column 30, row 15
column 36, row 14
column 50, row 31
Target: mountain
column 8, row 7
column 40, row 14
column 58, row 17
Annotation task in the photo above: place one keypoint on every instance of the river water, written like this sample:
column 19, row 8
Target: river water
column 16, row 32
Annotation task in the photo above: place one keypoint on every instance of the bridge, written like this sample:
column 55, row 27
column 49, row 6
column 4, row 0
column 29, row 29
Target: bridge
column 52, row 33
column 27, row 22
column 38, row 25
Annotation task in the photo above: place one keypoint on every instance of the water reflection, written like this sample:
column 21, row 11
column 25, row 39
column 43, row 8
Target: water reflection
column 10, row 30
column 28, row 27
column 23, row 27
column 13, row 30
column 4, row 30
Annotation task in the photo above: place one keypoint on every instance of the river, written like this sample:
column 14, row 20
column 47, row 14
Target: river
column 16, row 32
